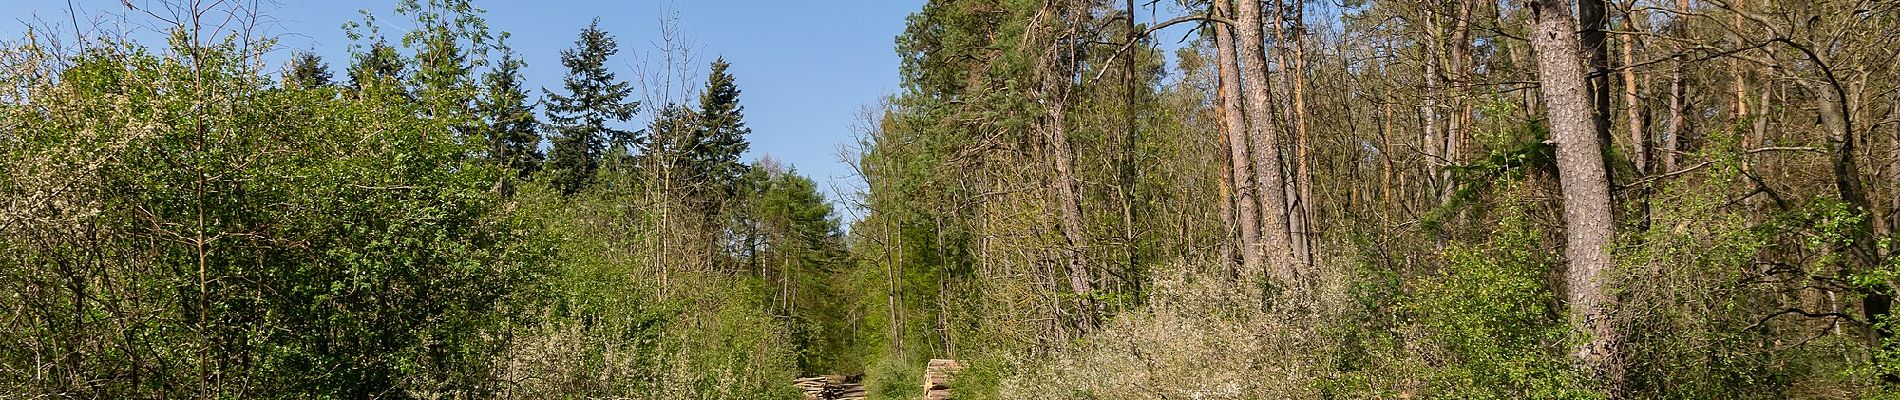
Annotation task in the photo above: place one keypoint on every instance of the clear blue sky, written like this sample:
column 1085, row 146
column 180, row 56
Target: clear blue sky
column 806, row 67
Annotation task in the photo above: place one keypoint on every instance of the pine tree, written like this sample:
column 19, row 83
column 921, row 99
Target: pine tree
column 722, row 135
column 579, row 120
column 511, row 131
column 307, row 70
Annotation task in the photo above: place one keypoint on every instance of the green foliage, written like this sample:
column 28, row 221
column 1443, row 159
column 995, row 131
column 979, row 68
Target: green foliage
column 380, row 65
column 307, row 70
column 723, row 134
column 580, row 119
column 512, row 133
column 268, row 242
column 1513, row 156
column 1488, row 321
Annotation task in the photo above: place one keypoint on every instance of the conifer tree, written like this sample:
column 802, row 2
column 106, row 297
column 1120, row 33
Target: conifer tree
column 307, row 70
column 511, row 131
column 579, row 119
column 722, row 136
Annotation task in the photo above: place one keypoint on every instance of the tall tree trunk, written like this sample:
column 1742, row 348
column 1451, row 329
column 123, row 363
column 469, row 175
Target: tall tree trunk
column 1385, row 161
column 1672, row 136
column 1240, row 158
column 1595, row 17
column 1304, row 211
column 1295, row 225
column 1877, row 302
column 1586, row 189
column 1276, row 241
column 1893, row 176
column 1428, row 109
column 1057, row 70
column 1633, row 102
column 1458, row 62
column 1738, row 74
column 1633, row 109
column 1127, row 172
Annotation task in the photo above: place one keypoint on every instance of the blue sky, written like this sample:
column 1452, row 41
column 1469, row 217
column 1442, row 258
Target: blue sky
column 806, row 67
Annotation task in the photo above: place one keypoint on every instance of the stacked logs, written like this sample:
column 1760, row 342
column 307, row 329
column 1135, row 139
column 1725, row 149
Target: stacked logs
column 830, row 387
column 937, row 376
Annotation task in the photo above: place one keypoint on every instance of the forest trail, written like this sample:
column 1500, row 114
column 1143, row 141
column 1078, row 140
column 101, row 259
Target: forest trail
column 937, row 376
column 831, row 387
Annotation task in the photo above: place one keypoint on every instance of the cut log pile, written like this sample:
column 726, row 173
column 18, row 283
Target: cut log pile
column 830, row 387
column 937, row 375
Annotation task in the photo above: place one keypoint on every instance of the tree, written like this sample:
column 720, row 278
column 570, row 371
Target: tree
column 450, row 41
column 1234, row 123
column 380, row 64
column 722, row 134
column 1276, row 242
column 307, row 70
column 580, row 118
column 512, row 131
column 1586, row 187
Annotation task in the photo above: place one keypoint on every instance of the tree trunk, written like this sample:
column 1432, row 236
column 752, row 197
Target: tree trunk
column 1595, row 17
column 1305, row 175
column 1586, row 188
column 1128, row 153
column 1672, row 136
column 1276, row 241
column 1235, row 124
column 1877, row 303
column 1460, row 79
column 1057, row 70
column 1633, row 103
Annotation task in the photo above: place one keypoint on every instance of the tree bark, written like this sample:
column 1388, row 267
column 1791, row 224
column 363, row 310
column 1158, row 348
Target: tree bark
column 1594, row 15
column 1057, row 70
column 1672, row 136
column 1305, row 175
column 1128, row 151
column 1586, row 189
column 1276, row 240
column 1831, row 104
column 1461, row 79
column 1235, row 124
column 1633, row 102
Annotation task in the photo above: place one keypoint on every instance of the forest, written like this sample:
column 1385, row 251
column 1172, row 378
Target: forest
column 1074, row 199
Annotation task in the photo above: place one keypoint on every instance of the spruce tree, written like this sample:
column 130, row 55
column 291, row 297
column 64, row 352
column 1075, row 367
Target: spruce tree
column 511, row 131
column 722, row 134
column 579, row 119
column 307, row 71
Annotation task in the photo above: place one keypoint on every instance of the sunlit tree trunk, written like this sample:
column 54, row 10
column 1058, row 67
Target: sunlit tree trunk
column 1633, row 102
column 1276, row 239
column 1056, row 70
column 1234, row 122
column 1586, row 189
column 1304, row 209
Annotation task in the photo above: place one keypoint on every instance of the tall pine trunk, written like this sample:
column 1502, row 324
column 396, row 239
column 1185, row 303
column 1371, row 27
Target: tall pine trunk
column 1240, row 162
column 1586, row 188
column 1276, row 241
